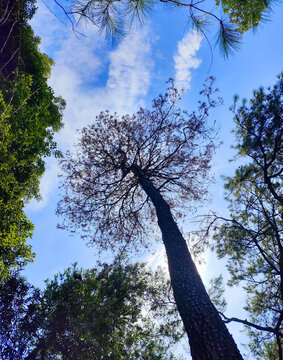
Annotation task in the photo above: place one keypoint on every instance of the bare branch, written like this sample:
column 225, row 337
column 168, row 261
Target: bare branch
column 248, row 323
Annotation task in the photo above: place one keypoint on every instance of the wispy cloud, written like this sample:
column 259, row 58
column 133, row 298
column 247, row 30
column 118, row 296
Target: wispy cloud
column 121, row 86
column 186, row 59
column 130, row 70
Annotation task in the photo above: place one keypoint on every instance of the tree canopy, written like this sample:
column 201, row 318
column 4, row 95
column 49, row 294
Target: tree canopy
column 19, row 305
column 252, row 236
column 102, row 197
column 30, row 113
column 115, row 312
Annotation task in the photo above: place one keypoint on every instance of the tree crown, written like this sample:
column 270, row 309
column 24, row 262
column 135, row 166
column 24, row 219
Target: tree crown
column 172, row 148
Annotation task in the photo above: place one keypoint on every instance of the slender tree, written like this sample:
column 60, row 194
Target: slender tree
column 252, row 236
column 129, row 171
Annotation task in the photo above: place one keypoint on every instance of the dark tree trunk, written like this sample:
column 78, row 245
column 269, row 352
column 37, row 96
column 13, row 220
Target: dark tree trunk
column 208, row 336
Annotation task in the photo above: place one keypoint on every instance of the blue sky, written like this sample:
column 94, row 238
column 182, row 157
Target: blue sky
column 92, row 74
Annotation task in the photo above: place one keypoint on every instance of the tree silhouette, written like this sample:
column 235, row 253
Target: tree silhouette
column 131, row 170
column 114, row 312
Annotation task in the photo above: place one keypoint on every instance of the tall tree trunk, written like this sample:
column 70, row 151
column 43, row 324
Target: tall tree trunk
column 208, row 336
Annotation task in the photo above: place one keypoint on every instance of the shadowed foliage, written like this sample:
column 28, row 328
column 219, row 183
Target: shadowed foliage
column 117, row 312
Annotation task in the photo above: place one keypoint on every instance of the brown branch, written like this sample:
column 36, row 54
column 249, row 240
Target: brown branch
column 275, row 331
column 192, row 6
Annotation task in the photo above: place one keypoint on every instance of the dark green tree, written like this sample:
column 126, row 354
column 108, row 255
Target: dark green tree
column 19, row 320
column 13, row 23
column 30, row 113
column 131, row 171
column 252, row 236
column 117, row 312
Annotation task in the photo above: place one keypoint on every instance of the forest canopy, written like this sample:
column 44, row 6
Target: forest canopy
column 134, row 179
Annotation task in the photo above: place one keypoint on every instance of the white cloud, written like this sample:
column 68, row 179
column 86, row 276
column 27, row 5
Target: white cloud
column 48, row 27
column 83, row 54
column 127, row 80
column 186, row 59
column 130, row 70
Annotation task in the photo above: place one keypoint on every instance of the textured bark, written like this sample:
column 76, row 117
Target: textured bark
column 208, row 336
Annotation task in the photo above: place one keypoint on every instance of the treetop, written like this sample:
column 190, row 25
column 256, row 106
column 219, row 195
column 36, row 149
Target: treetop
column 173, row 148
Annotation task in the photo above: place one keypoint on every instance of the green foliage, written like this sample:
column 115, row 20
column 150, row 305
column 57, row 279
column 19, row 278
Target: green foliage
column 29, row 116
column 252, row 237
column 14, row 17
column 19, row 304
column 102, row 313
column 259, row 129
column 270, row 350
column 228, row 38
column 112, row 17
column 15, row 229
column 119, row 312
column 28, row 121
column 246, row 14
